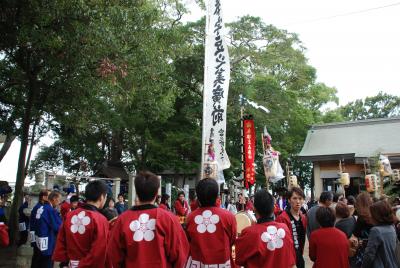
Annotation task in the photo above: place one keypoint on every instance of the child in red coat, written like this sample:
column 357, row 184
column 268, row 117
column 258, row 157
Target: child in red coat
column 329, row 247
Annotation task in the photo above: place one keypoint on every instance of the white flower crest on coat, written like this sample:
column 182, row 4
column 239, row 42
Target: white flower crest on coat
column 143, row 228
column 273, row 237
column 78, row 222
column 206, row 222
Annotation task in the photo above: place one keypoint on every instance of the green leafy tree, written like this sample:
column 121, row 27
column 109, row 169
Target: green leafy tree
column 382, row 105
column 50, row 51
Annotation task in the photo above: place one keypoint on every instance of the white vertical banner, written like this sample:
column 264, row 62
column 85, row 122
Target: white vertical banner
column 216, row 86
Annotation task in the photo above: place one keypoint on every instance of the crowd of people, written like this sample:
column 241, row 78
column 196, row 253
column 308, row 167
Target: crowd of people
column 99, row 232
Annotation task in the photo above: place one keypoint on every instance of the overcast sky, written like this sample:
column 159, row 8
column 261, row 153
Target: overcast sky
column 357, row 53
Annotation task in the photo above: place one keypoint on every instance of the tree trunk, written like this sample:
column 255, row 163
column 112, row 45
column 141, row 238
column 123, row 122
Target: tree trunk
column 6, row 145
column 116, row 146
column 19, row 184
column 28, row 159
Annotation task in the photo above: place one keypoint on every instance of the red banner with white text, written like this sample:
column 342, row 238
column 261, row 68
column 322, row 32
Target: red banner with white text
column 249, row 148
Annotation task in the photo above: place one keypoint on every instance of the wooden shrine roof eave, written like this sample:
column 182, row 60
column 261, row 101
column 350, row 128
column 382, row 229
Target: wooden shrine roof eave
column 317, row 158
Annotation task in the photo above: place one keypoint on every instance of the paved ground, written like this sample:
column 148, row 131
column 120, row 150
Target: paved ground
column 309, row 263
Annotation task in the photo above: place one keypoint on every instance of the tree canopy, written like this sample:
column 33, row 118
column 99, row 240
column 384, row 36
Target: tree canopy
column 121, row 81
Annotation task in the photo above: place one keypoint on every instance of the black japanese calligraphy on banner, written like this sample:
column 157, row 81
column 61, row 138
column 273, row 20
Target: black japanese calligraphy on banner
column 216, row 84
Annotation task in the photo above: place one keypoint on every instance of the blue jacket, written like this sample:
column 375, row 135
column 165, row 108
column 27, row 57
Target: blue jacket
column 121, row 207
column 32, row 223
column 46, row 225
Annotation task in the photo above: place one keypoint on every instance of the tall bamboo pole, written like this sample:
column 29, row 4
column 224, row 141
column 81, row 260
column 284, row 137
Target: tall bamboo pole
column 265, row 172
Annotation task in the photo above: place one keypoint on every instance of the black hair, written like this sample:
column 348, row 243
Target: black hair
column 108, row 202
column 74, row 198
column 264, row 203
column 325, row 217
column 164, row 199
column 325, row 196
column 336, row 197
column 147, row 185
column 180, row 193
column 109, row 213
column 121, row 195
column 207, row 192
column 351, row 200
column 296, row 190
column 95, row 189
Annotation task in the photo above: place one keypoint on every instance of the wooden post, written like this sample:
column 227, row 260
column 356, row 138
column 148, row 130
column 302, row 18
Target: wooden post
column 265, row 172
column 242, row 136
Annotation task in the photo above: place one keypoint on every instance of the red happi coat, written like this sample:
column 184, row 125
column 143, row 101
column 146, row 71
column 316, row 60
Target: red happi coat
column 65, row 207
column 284, row 218
column 82, row 238
column 212, row 233
column 163, row 206
column 147, row 236
column 181, row 210
column 329, row 248
column 265, row 245
column 4, row 240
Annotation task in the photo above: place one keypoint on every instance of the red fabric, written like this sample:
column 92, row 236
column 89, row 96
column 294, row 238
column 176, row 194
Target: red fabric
column 163, row 244
column 218, row 202
column 65, row 207
column 193, row 205
column 181, row 210
column 277, row 210
column 284, row 218
column 88, row 247
column 222, row 237
column 249, row 205
column 329, row 248
column 163, row 206
column 4, row 239
column 253, row 252
column 249, row 144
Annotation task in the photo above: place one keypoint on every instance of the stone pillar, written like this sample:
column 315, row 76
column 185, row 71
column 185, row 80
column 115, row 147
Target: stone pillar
column 131, row 190
column 159, row 189
column 168, row 191
column 116, row 188
column 49, row 180
column 186, row 190
column 318, row 184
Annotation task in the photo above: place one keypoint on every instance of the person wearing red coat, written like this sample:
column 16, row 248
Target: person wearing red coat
column 210, row 223
column 266, row 244
column 329, row 247
column 296, row 222
column 81, row 241
column 181, row 207
column 145, row 235
column 164, row 202
column 194, row 204
column 277, row 210
column 4, row 239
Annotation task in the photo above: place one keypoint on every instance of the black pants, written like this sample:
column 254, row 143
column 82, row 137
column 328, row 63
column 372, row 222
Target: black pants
column 299, row 259
column 41, row 261
column 23, row 237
